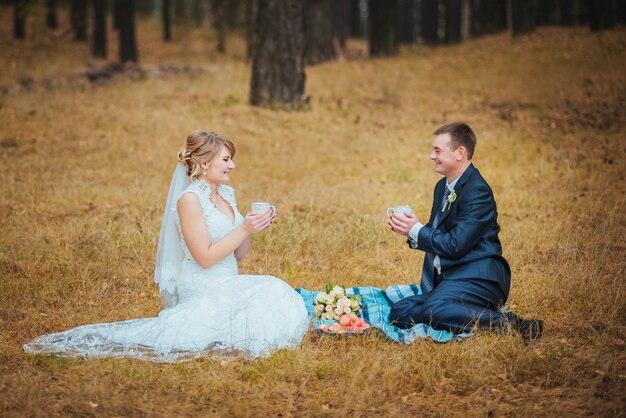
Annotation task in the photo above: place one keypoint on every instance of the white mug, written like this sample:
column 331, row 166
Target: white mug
column 260, row 207
column 399, row 210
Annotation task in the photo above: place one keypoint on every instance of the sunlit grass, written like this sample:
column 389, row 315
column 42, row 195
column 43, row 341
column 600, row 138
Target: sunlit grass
column 85, row 171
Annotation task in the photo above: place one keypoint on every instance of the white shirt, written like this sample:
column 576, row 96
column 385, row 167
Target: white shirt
column 415, row 231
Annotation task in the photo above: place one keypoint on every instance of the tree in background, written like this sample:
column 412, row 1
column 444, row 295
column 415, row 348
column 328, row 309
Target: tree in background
column 78, row 10
column 319, row 30
column 278, row 54
column 602, row 14
column 219, row 12
column 408, row 14
column 51, row 14
column 522, row 16
column 453, row 21
column 117, row 10
column 430, row 21
column 128, row 39
column 166, row 15
column 99, row 49
column 489, row 16
column 383, row 38
column 250, row 12
column 20, row 10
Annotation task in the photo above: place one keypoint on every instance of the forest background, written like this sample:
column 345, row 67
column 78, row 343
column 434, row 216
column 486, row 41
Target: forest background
column 88, row 144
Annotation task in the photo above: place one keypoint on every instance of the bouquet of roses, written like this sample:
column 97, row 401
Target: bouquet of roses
column 333, row 302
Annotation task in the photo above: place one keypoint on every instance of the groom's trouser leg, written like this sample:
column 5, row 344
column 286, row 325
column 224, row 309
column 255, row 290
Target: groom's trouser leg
column 407, row 312
column 459, row 305
column 455, row 305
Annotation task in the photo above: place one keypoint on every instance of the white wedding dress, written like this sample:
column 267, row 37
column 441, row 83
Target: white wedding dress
column 212, row 311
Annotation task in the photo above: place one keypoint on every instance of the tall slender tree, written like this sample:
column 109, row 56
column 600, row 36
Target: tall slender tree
column 278, row 54
column 602, row 14
column 319, row 30
column 99, row 49
column 490, row 16
column 251, row 7
column 219, row 12
column 466, row 19
column 453, row 21
column 51, row 14
column 79, row 19
column 430, row 21
column 406, row 21
column 128, row 39
column 166, row 15
column 20, row 10
column 522, row 16
column 117, row 10
column 384, row 29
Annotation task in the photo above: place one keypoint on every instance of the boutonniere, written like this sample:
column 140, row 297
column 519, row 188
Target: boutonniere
column 451, row 198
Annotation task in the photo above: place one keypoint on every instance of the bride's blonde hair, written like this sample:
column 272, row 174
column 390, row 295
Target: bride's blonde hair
column 200, row 147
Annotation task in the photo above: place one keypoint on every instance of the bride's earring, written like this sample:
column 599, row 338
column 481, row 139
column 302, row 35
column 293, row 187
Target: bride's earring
column 204, row 173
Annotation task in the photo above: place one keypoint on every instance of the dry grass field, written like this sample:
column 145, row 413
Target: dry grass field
column 85, row 170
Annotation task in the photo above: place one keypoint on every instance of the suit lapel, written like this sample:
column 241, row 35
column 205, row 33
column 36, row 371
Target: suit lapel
column 438, row 195
column 458, row 189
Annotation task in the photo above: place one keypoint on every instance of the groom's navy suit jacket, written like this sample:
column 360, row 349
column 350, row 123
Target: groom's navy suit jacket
column 466, row 239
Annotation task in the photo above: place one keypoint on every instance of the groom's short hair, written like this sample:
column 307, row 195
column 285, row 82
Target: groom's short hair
column 460, row 135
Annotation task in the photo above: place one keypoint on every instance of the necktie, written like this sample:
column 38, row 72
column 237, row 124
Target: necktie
column 428, row 270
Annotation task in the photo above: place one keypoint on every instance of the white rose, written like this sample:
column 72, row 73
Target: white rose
column 332, row 294
column 338, row 311
column 347, row 310
column 319, row 309
column 338, row 291
column 329, row 308
column 321, row 297
column 354, row 304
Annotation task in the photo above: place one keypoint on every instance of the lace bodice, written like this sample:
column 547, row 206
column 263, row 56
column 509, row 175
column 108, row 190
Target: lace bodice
column 217, row 222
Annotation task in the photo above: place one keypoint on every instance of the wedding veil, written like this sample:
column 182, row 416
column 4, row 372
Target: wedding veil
column 170, row 254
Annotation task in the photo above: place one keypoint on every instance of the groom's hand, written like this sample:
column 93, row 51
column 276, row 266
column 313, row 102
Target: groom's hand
column 402, row 224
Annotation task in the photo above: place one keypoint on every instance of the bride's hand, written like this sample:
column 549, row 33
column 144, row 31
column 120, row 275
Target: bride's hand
column 256, row 222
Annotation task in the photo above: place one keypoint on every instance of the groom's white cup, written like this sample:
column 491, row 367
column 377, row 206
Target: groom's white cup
column 260, row 207
column 399, row 210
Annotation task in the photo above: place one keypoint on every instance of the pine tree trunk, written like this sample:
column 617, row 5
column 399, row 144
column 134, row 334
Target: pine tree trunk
column 466, row 20
column 522, row 16
column 602, row 14
column 430, row 21
column 128, row 40
column 51, row 14
column 490, row 17
column 384, row 30
column 278, row 55
column 219, row 12
column 99, row 29
column 117, row 10
column 19, row 18
column 453, row 21
column 354, row 18
column 405, row 23
column 166, row 15
column 251, row 13
column 79, row 19
column 319, row 30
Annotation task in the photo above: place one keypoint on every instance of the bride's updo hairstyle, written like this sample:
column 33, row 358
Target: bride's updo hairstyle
column 200, row 147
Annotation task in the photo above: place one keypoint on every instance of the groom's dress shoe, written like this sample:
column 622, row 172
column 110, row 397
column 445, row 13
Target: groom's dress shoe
column 530, row 329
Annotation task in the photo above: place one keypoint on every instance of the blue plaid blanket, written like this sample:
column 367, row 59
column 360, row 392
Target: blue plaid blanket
column 376, row 305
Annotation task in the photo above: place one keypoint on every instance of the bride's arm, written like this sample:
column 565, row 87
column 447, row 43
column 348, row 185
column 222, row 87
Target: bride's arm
column 202, row 249
column 243, row 249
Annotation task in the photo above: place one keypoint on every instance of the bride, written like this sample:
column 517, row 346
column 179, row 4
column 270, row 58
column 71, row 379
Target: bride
column 209, row 307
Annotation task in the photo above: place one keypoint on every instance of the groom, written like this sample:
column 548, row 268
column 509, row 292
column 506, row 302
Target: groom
column 465, row 279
